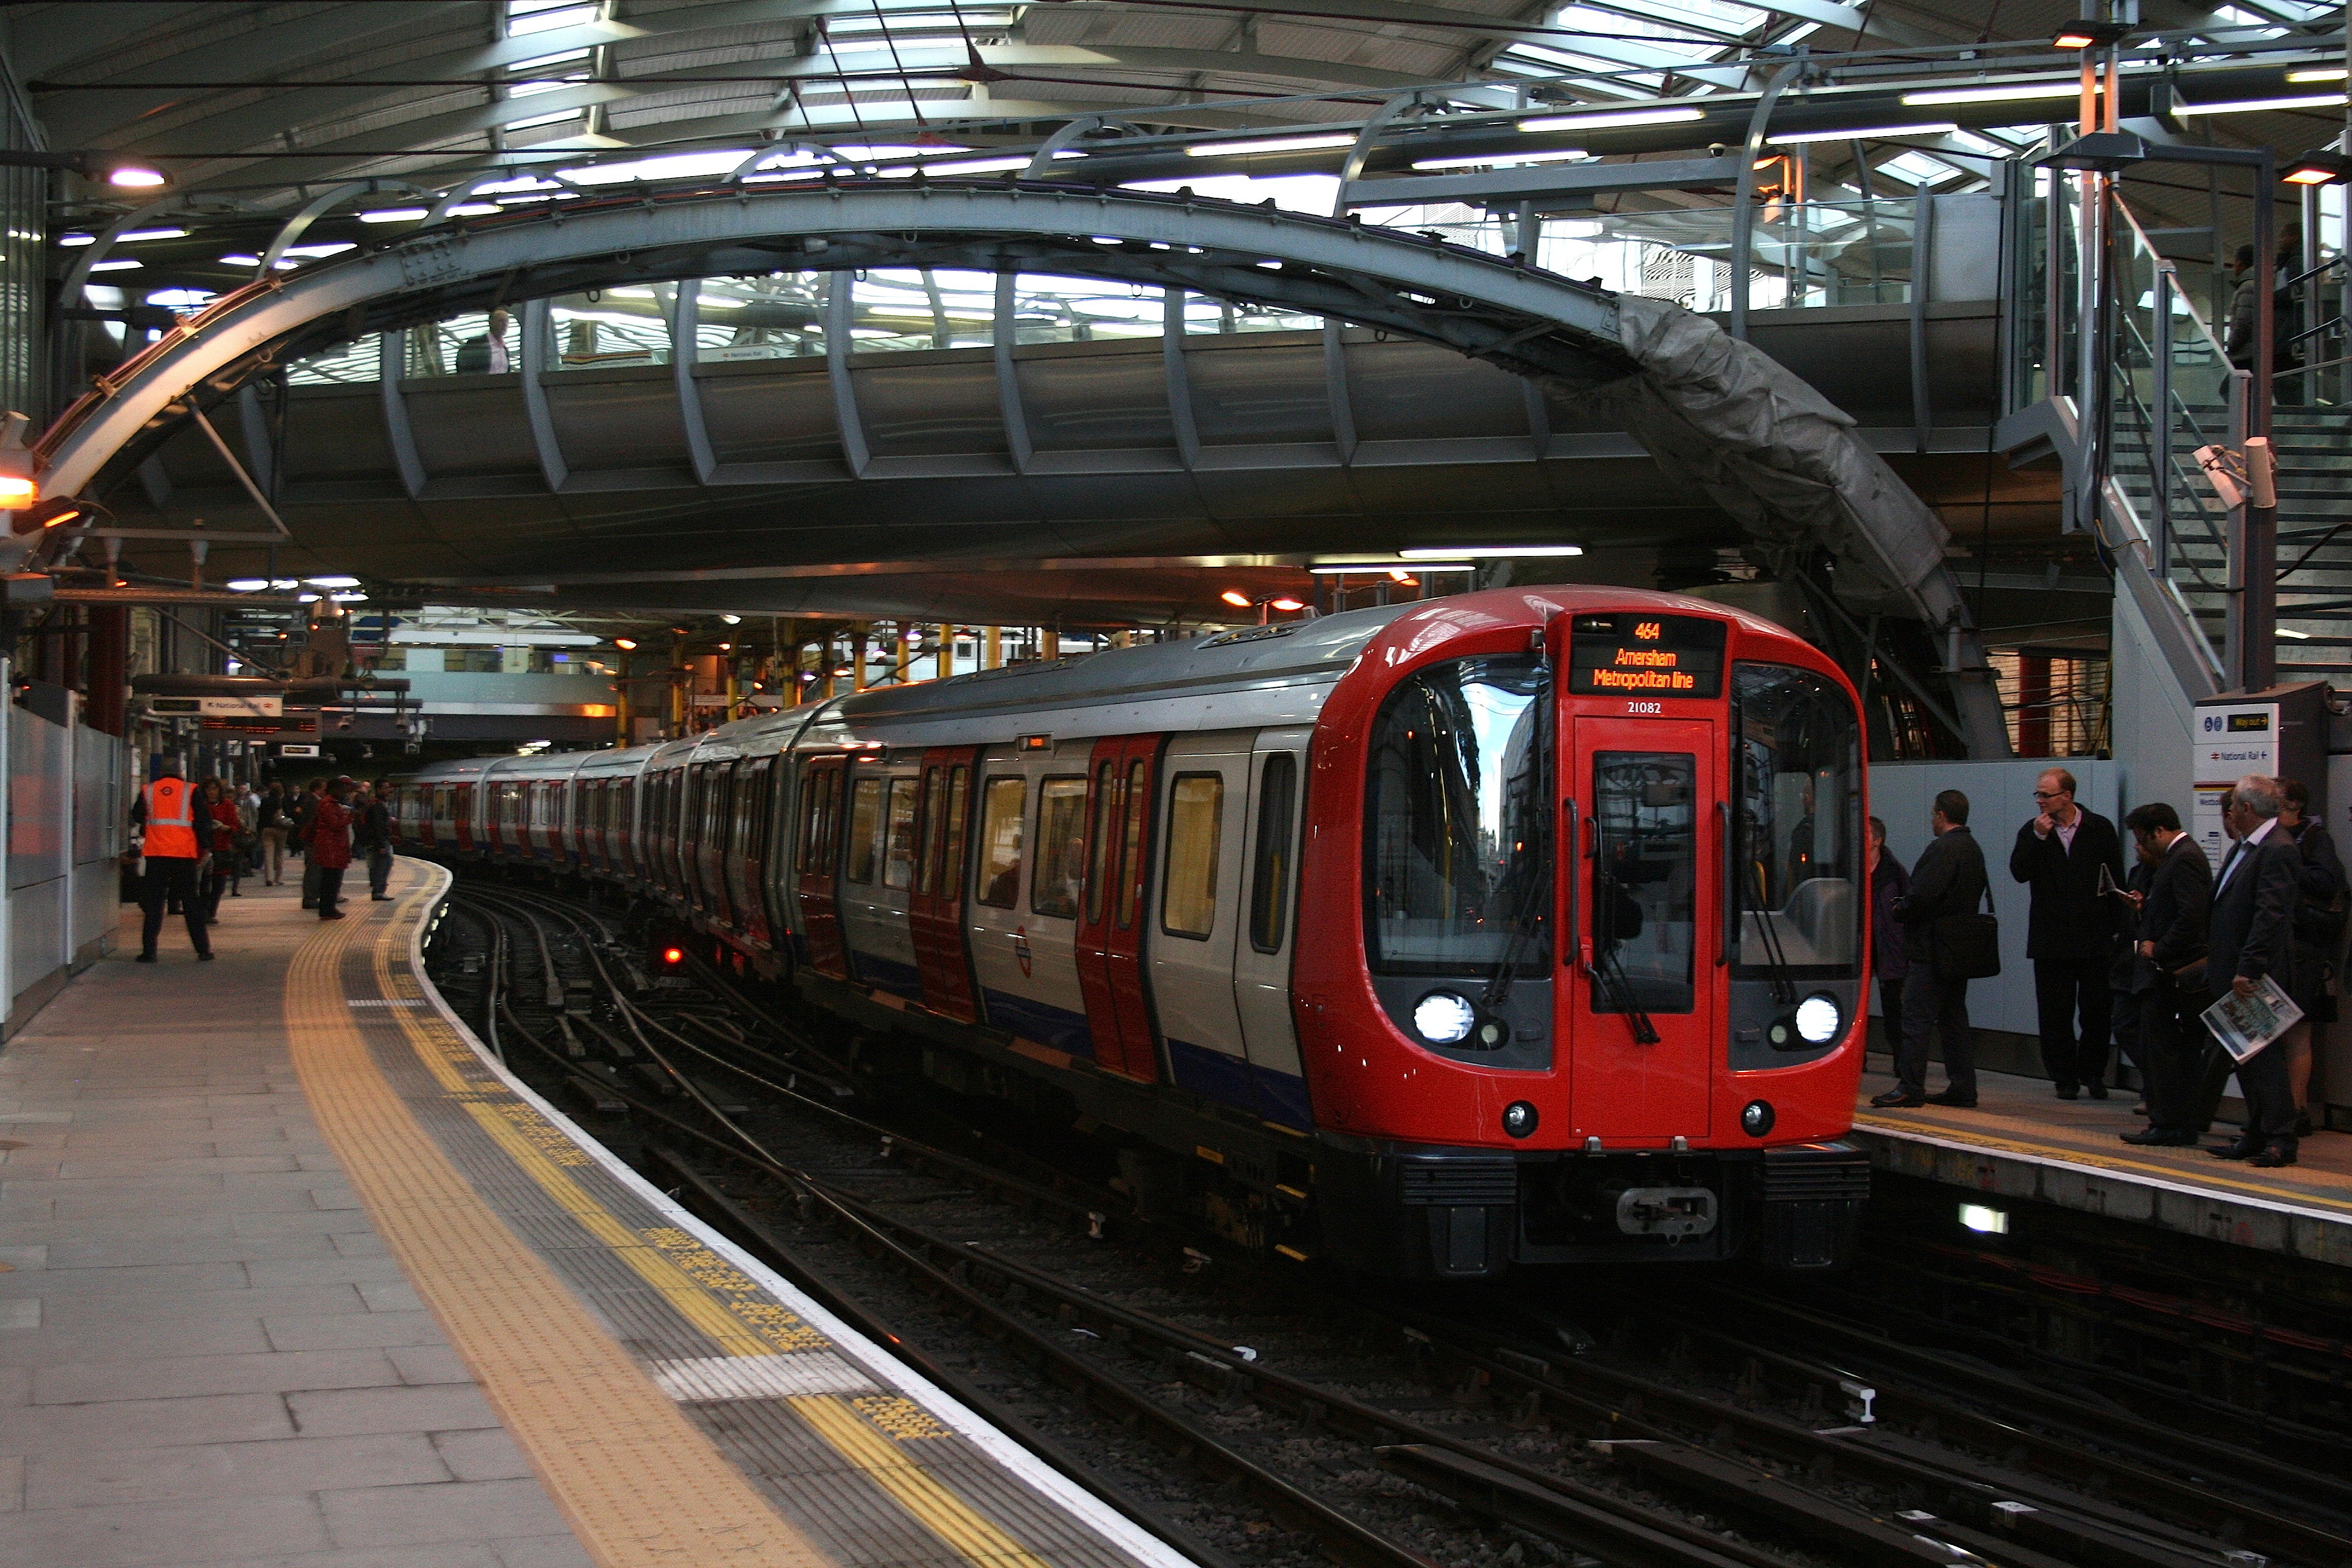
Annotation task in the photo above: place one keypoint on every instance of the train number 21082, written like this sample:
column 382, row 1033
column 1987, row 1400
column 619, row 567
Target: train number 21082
column 1646, row 708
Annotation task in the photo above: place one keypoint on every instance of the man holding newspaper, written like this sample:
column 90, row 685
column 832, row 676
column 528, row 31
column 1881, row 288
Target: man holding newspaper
column 2251, row 966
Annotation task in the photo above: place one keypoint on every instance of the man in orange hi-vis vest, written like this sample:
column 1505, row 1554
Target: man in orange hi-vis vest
column 166, row 811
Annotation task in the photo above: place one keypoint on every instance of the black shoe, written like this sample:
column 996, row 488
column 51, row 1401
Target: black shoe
column 2303, row 1123
column 2276, row 1154
column 144, row 958
column 2243, row 1149
column 2069, row 1091
column 1955, row 1101
column 203, row 958
column 2098, row 1092
column 1896, row 1099
column 2160, row 1138
column 309, row 904
column 379, row 898
column 331, row 914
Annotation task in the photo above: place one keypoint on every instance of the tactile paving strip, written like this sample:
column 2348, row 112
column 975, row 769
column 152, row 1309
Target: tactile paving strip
column 867, row 1476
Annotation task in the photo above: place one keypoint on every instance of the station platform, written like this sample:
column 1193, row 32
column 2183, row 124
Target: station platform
column 292, row 1273
column 2022, row 1141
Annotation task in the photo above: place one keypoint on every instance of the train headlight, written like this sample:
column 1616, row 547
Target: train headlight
column 1817, row 1018
column 1518, row 1119
column 1756, row 1118
column 1444, row 1019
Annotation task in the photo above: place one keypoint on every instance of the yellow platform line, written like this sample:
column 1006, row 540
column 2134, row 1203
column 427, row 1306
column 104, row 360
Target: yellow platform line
column 2186, row 1175
column 639, row 1484
column 717, row 1299
column 943, row 1512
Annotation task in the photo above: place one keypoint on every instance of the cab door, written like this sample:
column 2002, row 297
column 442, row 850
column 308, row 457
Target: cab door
column 1120, row 785
column 935, row 913
column 1639, row 1012
column 818, row 859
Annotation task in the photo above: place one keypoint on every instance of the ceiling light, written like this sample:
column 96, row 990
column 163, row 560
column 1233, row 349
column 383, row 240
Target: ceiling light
column 136, row 177
column 76, row 239
column 731, row 620
column 1616, row 117
column 2296, row 636
column 1866, row 133
column 2322, row 73
column 2256, row 105
column 246, row 584
column 975, row 167
column 336, row 248
column 2320, row 166
column 393, row 215
column 122, row 265
column 1374, row 568
column 2090, row 35
column 474, row 209
column 625, row 645
column 1287, row 605
column 332, row 581
column 1488, row 551
column 1270, row 144
column 1407, row 578
column 2011, row 92
column 132, row 236
column 1563, row 156
column 1236, row 598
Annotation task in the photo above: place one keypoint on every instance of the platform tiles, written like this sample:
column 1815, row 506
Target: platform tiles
column 445, row 1329
column 2022, row 1142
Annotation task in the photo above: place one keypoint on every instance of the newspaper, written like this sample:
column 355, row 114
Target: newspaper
column 2244, row 1024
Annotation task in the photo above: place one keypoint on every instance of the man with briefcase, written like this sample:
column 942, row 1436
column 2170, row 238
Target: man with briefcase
column 1949, row 942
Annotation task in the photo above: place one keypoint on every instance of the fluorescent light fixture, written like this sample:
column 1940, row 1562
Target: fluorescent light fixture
column 395, row 215
column 2256, row 105
column 70, row 240
column 975, row 166
column 349, row 598
column 474, row 209
column 2295, row 637
column 332, row 581
column 2317, row 73
column 1997, row 92
column 246, row 584
column 132, row 177
column 1380, row 568
column 1983, row 1220
column 1866, row 133
column 1485, row 552
column 125, row 265
column 334, row 249
column 1613, row 117
column 1503, row 160
column 133, row 236
column 1270, row 144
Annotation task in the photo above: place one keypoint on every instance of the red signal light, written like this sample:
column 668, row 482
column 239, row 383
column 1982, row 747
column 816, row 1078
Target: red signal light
column 673, row 955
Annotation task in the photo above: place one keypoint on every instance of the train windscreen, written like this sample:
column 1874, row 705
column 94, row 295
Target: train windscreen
column 1457, row 843
column 1798, row 870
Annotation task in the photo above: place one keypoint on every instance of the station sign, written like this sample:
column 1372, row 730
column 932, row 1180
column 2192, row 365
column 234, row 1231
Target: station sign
column 255, row 705
column 297, row 749
column 2232, row 739
column 1636, row 654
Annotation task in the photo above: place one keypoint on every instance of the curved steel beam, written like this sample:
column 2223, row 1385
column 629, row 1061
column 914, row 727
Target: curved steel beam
column 294, row 227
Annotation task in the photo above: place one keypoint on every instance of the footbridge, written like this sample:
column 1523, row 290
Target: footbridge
column 1724, row 422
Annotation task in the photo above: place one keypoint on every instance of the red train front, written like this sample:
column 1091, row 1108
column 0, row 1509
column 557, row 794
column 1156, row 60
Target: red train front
column 1558, row 956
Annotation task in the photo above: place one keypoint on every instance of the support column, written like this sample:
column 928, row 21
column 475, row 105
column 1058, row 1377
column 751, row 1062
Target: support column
column 946, row 660
column 992, row 655
column 858, row 657
column 109, row 666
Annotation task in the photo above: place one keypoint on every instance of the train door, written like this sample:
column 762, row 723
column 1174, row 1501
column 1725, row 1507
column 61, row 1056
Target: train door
column 1110, row 917
column 711, row 839
column 747, row 846
column 1190, row 926
column 942, row 957
column 461, row 817
column 818, row 859
column 1262, row 947
column 1638, row 1014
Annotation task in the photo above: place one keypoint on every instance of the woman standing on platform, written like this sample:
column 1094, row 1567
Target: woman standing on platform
column 223, row 868
column 2318, row 938
column 328, row 846
column 1888, row 883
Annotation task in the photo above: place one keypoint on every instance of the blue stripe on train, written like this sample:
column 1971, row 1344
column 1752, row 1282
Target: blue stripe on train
column 897, row 978
column 1041, row 1022
column 1265, row 1093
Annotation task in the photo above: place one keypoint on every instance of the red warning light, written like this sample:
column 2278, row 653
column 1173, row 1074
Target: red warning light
column 673, row 955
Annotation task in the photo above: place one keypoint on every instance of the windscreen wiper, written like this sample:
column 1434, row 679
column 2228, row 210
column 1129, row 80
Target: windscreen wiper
column 1776, row 958
column 1610, row 969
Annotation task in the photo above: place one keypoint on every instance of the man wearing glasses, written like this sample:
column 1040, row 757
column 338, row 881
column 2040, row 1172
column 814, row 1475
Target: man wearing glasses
column 2070, row 932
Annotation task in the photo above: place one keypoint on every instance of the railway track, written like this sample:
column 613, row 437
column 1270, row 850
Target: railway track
column 1482, row 1428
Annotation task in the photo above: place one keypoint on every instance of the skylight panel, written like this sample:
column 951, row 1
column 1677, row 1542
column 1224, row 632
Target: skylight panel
column 545, row 16
column 1723, row 18
column 1916, row 169
column 1671, row 37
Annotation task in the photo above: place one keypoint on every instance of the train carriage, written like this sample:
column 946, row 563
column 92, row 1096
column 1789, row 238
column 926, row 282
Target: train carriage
column 1515, row 928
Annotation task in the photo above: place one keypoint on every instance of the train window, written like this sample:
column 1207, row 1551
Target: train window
column 1278, row 791
column 1130, row 856
column 1798, row 795
column 927, row 866
column 1061, row 848
column 1106, row 815
column 1188, row 899
column 864, row 829
column 1002, row 801
column 952, row 858
column 1644, row 881
column 1457, row 838
column 899, row 834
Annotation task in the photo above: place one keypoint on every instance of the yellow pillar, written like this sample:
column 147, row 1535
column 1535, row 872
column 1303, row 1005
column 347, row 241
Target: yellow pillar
column 858, row 657
column 620, row 706
column 1049, row 645
column 906, row 651
column 947, row 652
column 991, row 657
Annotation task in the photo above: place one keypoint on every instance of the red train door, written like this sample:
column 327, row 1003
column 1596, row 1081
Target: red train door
column 461, row 817
column 1638, row 1013
column 819, row 839
column 1120, row 785
column 935, row 909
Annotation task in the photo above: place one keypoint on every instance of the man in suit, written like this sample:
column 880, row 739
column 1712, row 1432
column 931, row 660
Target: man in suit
column 486, row 355
column 2071, row 934
column 2173, row 910
column 1950, row 879
column 2252, row 935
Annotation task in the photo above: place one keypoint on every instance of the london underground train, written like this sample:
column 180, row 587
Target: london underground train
column 1515, row 928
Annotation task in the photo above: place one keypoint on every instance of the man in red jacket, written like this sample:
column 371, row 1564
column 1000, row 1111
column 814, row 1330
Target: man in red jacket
column 329, row 837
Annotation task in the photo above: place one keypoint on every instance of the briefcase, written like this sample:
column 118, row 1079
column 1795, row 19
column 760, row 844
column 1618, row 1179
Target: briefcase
column 1968, row 947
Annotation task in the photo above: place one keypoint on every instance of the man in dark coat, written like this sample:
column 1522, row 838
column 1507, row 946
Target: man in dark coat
column 2070, row 935
column 2251, row 936
column 2174, row 907
column 1950, row 879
